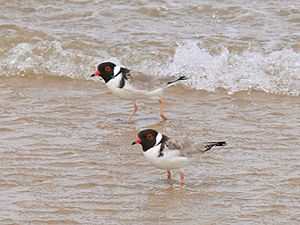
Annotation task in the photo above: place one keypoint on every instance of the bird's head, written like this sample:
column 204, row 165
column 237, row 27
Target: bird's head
column 107, row 71
column 148, row 138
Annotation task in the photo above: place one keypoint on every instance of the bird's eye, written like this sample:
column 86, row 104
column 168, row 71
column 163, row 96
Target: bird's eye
column 107, row 68
column 149, row 136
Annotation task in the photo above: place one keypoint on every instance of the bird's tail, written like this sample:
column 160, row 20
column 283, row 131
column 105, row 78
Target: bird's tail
column 209, row 145
column 180, row 78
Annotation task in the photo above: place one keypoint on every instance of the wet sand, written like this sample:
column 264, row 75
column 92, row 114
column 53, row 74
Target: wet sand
column 66, row 156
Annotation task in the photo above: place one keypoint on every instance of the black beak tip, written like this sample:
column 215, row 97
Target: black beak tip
column 92, row 75
column 133, row 143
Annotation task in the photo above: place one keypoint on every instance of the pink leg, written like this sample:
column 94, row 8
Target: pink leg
column 169, row 177
column 182, row 178
column 134, row 111
column 161, row 106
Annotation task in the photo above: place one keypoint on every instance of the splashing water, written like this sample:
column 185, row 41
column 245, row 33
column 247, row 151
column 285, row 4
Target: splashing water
column 274, row 72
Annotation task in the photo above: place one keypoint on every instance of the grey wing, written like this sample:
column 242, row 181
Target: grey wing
column 181, row 146
column 188, row 148
column 143, row 81
column 174, row 144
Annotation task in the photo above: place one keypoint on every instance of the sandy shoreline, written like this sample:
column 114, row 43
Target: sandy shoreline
column 66, row 156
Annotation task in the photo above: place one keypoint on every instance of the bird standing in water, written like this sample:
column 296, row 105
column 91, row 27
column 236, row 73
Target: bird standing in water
column 130, row 85
column 166, row 153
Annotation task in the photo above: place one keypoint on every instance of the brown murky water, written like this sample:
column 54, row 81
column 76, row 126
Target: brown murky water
column 65, row 153
column 66, row 157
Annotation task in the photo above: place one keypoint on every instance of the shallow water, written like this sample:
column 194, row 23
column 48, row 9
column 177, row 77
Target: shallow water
column 235, row 45
column 66, row 157
column 65, row 148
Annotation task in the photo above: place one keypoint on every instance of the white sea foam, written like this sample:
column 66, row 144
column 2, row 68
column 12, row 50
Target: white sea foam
column 273, row 72
column 48, row 58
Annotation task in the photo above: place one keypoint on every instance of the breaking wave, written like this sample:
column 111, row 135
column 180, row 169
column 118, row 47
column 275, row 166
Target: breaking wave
column 273, row 72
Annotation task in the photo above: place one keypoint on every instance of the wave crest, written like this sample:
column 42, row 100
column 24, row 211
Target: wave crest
column 46, row 58
column 274, row 72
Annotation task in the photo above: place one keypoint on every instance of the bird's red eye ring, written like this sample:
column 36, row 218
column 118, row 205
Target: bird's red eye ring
column 107, row 68
column 149, row 136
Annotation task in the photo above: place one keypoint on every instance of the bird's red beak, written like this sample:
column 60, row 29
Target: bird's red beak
column 136, row 141
column 97, row 73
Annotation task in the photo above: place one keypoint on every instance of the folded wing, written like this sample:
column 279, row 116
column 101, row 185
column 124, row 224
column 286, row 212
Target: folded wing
column 141, row 81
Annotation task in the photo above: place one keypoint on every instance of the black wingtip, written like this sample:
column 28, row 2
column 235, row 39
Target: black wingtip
column 183, row 78
column 220, row 143
column 210, row 145
column 180, row 78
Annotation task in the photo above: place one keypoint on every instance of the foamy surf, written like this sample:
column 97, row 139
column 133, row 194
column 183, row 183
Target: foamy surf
column 274, row 72
column 271, row 72
column 46, row 58
column 65, row 146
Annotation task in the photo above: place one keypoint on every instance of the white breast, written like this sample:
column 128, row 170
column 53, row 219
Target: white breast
column 130, row 93
column 171, row 159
